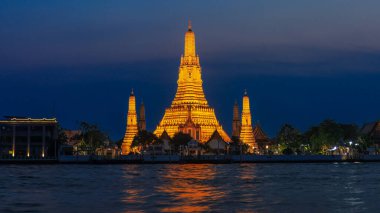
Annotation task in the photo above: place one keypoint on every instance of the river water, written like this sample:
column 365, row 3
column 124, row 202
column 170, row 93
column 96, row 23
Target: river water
column 325, row 187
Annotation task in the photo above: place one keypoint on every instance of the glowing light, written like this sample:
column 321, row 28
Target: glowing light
column 246, row 132
column 132, row 128
column 189, row 111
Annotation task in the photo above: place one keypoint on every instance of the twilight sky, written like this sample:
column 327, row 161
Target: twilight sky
column 301, row 60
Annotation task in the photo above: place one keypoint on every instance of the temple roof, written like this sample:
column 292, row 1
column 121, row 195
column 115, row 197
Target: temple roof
column 259, row 133
column 165, row 135
column 372, row 129
column 189, row 107
column 26, row 120
column 216, row 136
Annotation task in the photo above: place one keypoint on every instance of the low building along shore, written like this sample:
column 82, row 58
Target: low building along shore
column 23, row 137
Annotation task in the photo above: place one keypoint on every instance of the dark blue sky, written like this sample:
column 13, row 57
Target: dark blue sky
column 301, row 61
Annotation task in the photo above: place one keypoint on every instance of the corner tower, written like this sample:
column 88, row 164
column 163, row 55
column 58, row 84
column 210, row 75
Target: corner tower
column 132, row 128
column 190, row 103
column 246, row 132
column 236, row 124
column 142, row 121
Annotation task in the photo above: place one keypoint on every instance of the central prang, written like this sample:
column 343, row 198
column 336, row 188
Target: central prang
column 189, row 112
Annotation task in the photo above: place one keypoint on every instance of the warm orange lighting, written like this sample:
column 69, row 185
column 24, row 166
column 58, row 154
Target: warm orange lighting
column 132, row 127
column 189, row 111
column 190, row 186
column 246, row 132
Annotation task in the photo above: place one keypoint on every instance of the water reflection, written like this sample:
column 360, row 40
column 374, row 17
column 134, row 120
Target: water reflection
column 246, row 189
column 133, row 188
column 190, row 188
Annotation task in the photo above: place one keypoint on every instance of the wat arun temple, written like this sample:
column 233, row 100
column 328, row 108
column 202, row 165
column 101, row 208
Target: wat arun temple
column 190, row 112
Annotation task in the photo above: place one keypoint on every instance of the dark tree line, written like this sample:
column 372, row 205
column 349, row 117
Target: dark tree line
column 320, row 138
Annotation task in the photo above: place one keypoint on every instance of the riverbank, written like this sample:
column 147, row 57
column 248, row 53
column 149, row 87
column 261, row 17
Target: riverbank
column 177, row 159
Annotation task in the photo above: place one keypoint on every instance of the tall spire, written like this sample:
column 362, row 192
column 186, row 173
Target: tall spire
column 131, row 129
column 189, row 26
column 189, row 90
column 142, row 121
column 189, row 42
column 246, row 132
column 236, row 121
column 246, row 107
column 190, row 94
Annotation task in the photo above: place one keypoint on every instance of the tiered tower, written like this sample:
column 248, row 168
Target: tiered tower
column 246, row 132
column 132, row 127
column 236, row 124
column 189, row 111
column 142, row 122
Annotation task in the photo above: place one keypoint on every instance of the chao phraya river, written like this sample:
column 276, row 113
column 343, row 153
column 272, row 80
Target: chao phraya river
column 331, row 187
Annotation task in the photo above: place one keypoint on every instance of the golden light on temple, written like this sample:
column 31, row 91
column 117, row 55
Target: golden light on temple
column 132, row 126
column 246, row 130
column 189, row 111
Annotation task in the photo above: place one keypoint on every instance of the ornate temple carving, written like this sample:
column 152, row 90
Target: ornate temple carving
column 189, row 110
column 132, row 126
column 246, row 132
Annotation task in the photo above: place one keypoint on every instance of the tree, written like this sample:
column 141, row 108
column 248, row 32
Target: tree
column 92, row 137
column 143, row 139
column 181, row 139
column 350, row 132
column 238, row 146
column 119, row 142
column 289, row 137
column 329, row 133
column 287, row 151
column 62, row 137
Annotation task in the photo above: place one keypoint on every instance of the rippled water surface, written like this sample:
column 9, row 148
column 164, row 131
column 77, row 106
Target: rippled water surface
column 343, row 187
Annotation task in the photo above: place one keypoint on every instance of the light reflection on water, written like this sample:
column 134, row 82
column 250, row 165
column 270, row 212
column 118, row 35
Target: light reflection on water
column 190, row 188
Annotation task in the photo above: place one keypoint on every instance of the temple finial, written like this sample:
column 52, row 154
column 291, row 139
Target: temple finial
column 189, row 26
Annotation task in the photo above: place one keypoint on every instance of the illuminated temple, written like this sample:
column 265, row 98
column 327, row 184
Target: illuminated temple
column 246, row 130
column 132, row 126
column 189, row 111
